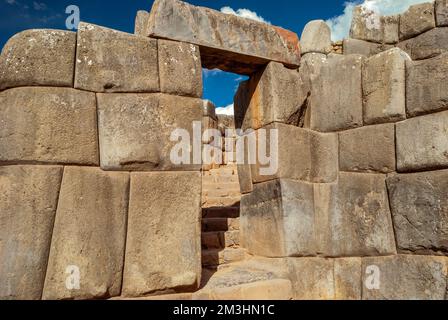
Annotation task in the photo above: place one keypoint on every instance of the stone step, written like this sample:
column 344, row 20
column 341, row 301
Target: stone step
column 224, row 172
column 208, row 202
column 220, row 239
column 220, row 224
column 209, row 179
column 221, row 212
column 216, row 257
column 221, row 192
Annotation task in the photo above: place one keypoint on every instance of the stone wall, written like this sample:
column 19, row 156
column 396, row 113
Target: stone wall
column 88, row 188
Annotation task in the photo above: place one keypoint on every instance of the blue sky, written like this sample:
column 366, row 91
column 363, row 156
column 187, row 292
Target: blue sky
column 18, row 15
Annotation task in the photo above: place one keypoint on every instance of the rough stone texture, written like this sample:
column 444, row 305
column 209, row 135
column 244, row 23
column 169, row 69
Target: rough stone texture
column 316, row 37
column 419, row 204
column 112, row 61
column 274, row 94
column 390, row 26
column 407, row 277
column 416, row 20
column 226, row 41
column 38, row 58
column 311, row 64
column 163, row 250
column 426, row 45
column 209, row 109
column 370, row 148
column 48, row 125
column 309, row 156
column 353, row 217
column 277, row 219
column 336, row 99
column 27, row 209
column 135, row 130
column 89, row 232
column 422, row 143
column 347, row 279
column 384, row 87
column 364, row 48
column 142, row 23
column 245, row 178
column 441, row 7
column 180, row 68
column 366, row 25
column 312, row 278
column 427, row 85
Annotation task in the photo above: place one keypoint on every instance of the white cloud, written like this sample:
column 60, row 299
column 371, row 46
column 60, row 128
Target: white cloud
column 244, row 13
column 340, row 25
column 228, row 111
column 11, row 2
column 210, row 72
column 39, row 6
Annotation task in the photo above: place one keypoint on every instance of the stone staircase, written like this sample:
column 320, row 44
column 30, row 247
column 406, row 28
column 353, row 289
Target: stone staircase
column 220, row 217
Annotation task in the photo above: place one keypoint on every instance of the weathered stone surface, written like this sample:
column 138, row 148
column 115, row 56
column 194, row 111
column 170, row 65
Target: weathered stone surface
column 364, row 48
column 347, row 279
column 405, row 277
column 316, row 37
column 245, row 178
column 366, row 25
column 390, row 25
column 27, row 209
column 310, row 155
column 48, row 125
column 89, row 234
column 112, row 61
column 38, row 58
column 441, row 7
column 427, row 85
column 384, row 87
column 163, row 250
column 209, row 109
column 422, row 143
column 135, row 130
column 180, row 68
column 419, row 204
column 416, row 20
column 370, row 148
column 277, row 219
column 426, row 45
column 311, row 64
column 312, row 278
column 336, row 99
column 142, row 23
column 353, row 217
column 274, row 94
column 226, row 41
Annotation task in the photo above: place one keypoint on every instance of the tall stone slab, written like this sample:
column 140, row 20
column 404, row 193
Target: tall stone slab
column 163, row 250
column 38, row 58
column 416, row 20
column 441, row 7
column 426, row 45
column 89, row 235
column 28, row 202
column 48, row 125
column 277, row 219
column 112, row 61
column 226, row 41
column 419, row 204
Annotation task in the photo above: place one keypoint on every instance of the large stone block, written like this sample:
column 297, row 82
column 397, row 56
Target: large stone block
column 336, row 99
column 390, row 26
column 38, row 58
column 316, row 37
column 28, row 204
column 309, row 155
column 419, row 204
column 426, row 45
column 226, row 40
column 274, row 94
column 112, row 61
column 180, row 68
column 347, row 279
column 353, row 217
column 416, row 20
column 141, row 27
column 366, row 25
column 422, row 143
column 404, row 277
column 48, row 125
column 427, row 85
column 163, row 250
column 384, row 87
column 277, row 219
column 364, row 48
column 370, row 148
column 89, row 235
column 441, row 7
column 135, row 131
